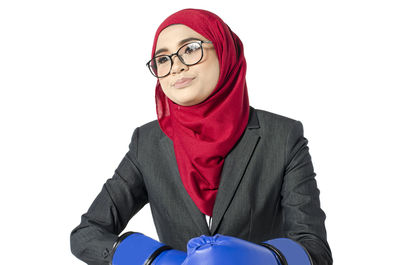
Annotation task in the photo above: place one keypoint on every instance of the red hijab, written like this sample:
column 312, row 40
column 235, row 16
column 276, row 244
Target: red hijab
column 203, row 134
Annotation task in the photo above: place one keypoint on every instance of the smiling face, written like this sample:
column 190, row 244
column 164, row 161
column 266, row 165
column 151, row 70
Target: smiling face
column 200, row 79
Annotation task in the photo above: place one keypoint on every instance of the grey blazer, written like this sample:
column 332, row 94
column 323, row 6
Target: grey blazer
column 267, row 190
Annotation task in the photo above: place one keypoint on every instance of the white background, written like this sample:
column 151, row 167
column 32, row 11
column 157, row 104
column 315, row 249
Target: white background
column 74, row 86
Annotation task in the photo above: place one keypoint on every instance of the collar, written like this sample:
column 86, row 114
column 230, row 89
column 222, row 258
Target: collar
column 253, row 119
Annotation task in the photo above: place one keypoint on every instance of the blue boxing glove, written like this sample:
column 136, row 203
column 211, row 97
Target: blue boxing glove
column 137, row 249
column 226, row 250
column 288, row 251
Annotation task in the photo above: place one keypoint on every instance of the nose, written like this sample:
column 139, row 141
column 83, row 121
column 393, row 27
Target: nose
column 177, row 65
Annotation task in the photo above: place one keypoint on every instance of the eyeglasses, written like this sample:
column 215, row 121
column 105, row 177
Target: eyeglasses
column 188, row 54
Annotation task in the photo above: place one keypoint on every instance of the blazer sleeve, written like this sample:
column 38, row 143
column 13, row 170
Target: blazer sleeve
column 303, row 217
column 120, row 198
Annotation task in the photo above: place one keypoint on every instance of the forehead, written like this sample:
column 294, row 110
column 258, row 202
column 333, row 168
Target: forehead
column 173, row 34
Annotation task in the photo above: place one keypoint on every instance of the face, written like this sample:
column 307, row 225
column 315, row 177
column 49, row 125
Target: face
column 202, row 77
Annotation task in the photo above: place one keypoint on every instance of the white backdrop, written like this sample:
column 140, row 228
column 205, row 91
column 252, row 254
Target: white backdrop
column 74, row 86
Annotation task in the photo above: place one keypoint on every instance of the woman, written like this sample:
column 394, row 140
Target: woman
column 208, row 158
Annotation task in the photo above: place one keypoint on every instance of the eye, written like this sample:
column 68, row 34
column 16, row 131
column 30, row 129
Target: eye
column 192, row 47
column 162, row 59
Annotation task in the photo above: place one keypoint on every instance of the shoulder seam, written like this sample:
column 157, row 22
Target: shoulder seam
column 287, row 140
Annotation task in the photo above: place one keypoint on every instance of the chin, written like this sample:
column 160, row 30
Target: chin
column 186, row 102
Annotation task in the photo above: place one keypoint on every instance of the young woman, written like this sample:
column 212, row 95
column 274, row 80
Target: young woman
column 209, row 165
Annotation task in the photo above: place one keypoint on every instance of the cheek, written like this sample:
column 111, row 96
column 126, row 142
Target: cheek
column 164, row 82
column 211, row 75
column 216, row 72
column 212, row 69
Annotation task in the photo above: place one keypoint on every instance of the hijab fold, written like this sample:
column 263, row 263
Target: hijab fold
column 203, row 134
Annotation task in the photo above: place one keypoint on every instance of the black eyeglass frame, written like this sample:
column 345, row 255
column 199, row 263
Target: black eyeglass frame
column 180, row 59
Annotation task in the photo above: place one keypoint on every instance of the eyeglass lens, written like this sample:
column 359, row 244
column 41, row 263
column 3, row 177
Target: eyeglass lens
column 189, row 54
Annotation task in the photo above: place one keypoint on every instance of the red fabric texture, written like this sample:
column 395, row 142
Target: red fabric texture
column 203, row 134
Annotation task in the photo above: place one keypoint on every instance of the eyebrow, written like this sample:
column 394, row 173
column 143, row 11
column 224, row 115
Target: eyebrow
column 180, row 43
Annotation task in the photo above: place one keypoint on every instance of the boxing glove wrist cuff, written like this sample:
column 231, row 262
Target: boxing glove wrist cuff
column 119, row 240
column 136, row 246
column 293, row 252
column 281, row 258
column 155, row 254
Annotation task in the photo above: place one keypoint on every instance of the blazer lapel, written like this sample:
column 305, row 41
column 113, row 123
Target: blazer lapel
column 195, row 213
column 232, row 172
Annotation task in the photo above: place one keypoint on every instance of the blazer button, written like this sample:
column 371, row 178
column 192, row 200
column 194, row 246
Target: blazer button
column 106, row 252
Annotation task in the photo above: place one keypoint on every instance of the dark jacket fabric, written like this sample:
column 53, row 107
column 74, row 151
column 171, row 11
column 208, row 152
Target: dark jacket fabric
column 267, row 190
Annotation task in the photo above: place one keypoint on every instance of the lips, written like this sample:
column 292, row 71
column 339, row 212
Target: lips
column 183, row 82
